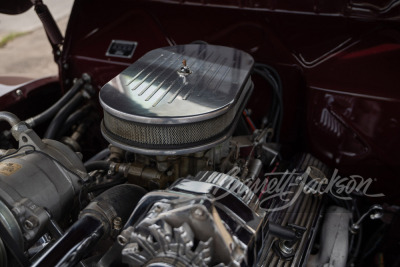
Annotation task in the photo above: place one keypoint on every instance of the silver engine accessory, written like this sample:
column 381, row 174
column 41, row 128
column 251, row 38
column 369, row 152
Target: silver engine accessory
column 215, row 219
column 177, row 100
column 211, row 219
column 38, row 183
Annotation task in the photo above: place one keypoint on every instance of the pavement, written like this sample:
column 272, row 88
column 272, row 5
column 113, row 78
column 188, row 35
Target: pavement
column 30, row 55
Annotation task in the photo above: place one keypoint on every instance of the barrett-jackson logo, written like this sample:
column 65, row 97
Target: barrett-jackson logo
column 287, row 186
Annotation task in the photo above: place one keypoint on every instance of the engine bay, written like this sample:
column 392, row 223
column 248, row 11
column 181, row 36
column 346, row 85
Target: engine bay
column 173, row 140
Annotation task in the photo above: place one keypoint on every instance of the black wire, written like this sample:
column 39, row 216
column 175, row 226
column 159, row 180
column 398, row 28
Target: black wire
column 277, row 89
column 273, row 109
column 14, row 154
column 274, row 113
column 278, row 85
column 272, row 77
column 272, row 70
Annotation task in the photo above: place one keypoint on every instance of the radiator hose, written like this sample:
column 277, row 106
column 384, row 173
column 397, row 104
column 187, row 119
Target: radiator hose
column 105, row 214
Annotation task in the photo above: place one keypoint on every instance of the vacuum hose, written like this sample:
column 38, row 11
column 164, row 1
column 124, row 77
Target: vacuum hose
column 50, row 112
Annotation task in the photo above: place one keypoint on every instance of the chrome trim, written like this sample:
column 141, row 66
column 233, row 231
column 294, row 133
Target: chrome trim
column 151, row 91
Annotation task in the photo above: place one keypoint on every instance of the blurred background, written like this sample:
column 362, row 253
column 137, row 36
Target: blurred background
column 24, row 48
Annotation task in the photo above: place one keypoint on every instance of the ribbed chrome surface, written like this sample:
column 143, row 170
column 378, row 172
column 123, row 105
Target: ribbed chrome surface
column 231, row 184
column 152, row 90
column 177, row 99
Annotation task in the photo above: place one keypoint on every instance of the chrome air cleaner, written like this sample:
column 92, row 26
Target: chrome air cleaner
column 177, row 100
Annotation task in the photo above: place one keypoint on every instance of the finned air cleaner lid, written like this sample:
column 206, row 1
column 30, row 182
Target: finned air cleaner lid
column 176, row 98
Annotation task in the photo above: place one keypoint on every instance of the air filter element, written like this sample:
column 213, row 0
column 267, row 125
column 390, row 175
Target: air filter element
column 177, row 100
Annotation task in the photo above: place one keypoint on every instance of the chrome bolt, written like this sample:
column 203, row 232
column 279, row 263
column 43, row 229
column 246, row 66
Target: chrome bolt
column 117, row 222
column 19, row 92
column 285, row 249
column 132, row 248
column 158, row 208
column 122, row 240
column 86, row 77
column 198, row 214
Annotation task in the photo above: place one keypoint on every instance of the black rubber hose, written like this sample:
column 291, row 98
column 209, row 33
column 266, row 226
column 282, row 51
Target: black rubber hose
column 281, row 232
column 105, row 186
column 50, row 112
column 121, row 198
column 9, row 117
column 62, row 115
column 99, row 156
column 92, row 225
column 73, row 118
column 97, row 165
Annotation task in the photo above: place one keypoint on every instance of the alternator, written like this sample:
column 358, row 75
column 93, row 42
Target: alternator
column 208, row 220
